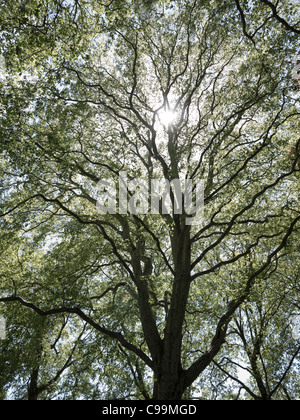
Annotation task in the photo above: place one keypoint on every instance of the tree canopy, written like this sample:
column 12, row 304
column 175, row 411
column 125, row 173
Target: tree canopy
column 145, row 306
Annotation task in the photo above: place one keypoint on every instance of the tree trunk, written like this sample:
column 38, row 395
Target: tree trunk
column 170, row 379
column 168, row 386
column 33, row 390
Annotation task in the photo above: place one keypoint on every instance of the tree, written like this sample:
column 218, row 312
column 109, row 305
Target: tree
column 258, row 331
column 36, row 357
column 172, row 90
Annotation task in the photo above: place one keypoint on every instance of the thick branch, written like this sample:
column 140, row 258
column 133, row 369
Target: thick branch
column 76, row 311
column 279, row 18
column 201, row 364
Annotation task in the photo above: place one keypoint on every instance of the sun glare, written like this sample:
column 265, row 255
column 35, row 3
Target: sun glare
column 167, row 117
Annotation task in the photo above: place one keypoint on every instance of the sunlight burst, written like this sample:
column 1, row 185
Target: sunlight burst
column 167, row 117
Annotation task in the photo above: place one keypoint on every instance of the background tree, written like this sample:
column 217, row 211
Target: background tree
column 256, row 364
column 177, row 89
column 37, row 355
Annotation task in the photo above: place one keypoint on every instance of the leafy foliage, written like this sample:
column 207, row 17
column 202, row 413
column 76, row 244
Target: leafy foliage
column 143, row 306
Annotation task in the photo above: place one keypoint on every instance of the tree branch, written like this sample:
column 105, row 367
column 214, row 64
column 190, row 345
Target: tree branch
column 76, row 311
column 240, row 213
column 201, row 364
column 244, row 22
column 109, row 289
column 286, row 372
column 245, row 387
column 279, row 18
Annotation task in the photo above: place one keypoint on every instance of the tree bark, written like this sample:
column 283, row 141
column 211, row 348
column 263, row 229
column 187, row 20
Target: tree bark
column 170, row 377
column 33, row 389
